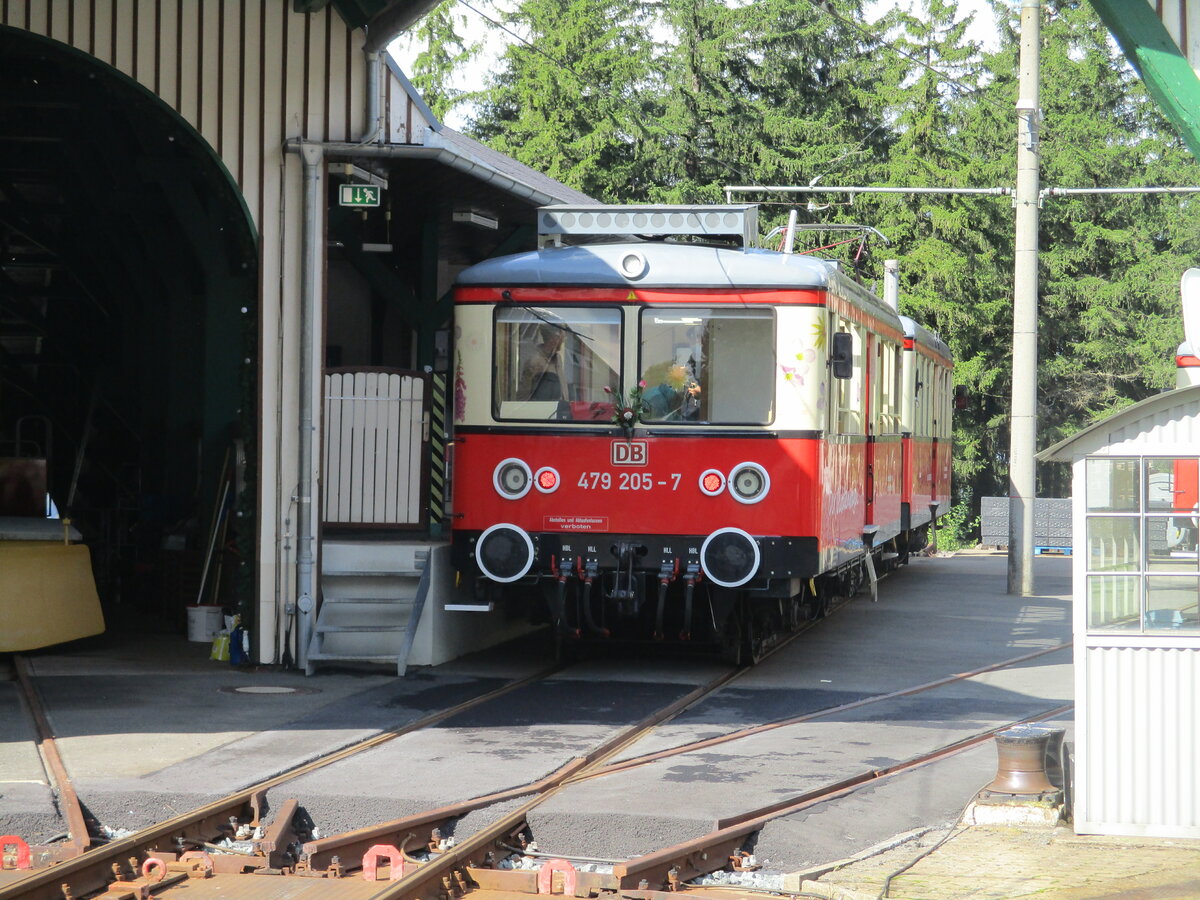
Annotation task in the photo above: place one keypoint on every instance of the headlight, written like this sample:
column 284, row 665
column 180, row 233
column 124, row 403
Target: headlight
column 729, row 557
column 749, row 482
column 504, row 552
column 512, row 479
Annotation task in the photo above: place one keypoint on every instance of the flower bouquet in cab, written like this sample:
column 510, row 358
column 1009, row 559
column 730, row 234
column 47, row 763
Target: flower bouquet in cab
column 628, row 410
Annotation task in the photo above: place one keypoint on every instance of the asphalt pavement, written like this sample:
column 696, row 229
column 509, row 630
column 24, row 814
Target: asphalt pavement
column 149, row 725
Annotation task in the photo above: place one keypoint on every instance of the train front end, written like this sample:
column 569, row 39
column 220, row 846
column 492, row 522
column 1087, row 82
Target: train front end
column 631, row 454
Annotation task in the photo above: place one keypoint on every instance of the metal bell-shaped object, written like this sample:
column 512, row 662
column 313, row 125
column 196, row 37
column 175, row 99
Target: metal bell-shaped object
column 1021, row 767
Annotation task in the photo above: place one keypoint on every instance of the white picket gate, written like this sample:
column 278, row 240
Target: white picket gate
column 376, row 429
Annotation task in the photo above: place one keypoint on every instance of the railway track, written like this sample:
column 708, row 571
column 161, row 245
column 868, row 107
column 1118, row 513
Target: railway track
column 412, row 851
column 741, row 733
column 246, row 806
column 78, row 837
column 79, row 868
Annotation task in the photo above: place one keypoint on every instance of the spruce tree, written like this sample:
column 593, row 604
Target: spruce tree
column 565, row 99
column 443, row 52
column 671, row 102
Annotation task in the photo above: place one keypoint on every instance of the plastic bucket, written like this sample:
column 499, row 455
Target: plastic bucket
column 203, row 622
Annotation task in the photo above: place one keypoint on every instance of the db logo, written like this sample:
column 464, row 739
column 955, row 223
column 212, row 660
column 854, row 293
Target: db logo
column 630, row 453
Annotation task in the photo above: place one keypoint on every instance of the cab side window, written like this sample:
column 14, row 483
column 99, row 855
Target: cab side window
column 846, row 410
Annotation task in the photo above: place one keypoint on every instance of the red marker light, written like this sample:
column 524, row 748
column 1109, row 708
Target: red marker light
column 546, row 480
column 712, row 482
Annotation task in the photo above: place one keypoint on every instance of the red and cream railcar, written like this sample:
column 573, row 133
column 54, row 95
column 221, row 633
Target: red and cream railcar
column 683, row 440
column 926, row 417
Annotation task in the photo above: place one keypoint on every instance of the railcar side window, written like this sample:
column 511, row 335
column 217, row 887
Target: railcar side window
column 890, row 388
column 554, row 363
column 846, row 410
column 708, row 365
column 925, row 398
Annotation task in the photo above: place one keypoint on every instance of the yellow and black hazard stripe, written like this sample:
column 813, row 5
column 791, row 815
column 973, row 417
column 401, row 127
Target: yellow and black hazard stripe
column 437, row 449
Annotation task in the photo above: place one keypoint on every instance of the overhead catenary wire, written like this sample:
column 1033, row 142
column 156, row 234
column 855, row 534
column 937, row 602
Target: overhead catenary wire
column 819, row 6
column 528, row 44
column 732, row 189
column 878, row 41
column 1045, row 193
column 1068, row 192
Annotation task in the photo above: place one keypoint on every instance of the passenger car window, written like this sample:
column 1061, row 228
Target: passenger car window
column 708, row 365
column 555, row 363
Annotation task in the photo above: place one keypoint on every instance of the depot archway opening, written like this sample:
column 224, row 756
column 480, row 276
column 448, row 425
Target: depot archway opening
column 128, row 330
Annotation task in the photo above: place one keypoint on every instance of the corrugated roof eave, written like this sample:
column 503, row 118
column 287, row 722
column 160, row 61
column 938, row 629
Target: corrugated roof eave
column 1064, row 450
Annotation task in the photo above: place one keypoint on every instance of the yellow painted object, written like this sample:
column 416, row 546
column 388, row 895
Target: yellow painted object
column 47, row 595
column 220, row 648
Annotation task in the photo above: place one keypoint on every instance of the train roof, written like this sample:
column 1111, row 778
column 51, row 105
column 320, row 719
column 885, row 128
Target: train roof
column 668, row 265
column 923, row 336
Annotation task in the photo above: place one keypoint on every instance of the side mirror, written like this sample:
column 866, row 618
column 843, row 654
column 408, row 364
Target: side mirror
column 962, row 397
column 841, row 355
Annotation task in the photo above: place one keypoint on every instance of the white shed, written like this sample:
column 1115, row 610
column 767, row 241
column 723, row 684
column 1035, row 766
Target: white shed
column 1136, row 623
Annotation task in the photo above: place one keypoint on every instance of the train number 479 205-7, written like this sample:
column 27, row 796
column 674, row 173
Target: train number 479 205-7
column 627, row 481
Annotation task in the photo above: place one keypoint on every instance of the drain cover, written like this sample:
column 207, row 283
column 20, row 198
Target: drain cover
column 269, row 689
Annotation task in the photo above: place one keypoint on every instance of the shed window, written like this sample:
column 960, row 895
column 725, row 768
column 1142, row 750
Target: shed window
column 1113, row 544
column 1171, row 601
column 1112, row 485
column 1113, row 602
column 1143, row 520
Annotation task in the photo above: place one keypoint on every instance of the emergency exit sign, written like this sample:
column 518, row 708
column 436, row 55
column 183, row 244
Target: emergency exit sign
column 358, row 195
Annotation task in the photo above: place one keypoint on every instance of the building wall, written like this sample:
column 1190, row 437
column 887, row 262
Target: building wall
column 248, row 75
column 1137, row 690
column 1139, row 728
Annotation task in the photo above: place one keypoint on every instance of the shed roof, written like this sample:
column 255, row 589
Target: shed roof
column 382, row 19
column 414, row 131
column 1165, row 423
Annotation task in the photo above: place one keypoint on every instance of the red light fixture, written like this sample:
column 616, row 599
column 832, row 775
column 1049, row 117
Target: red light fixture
column 712, row 482
column 546, row 480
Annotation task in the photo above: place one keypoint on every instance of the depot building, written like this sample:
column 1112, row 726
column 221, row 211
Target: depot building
column 229, row 232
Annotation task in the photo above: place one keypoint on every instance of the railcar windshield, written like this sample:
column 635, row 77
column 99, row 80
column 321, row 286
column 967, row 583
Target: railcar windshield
column 708, row 365
column 554, row 363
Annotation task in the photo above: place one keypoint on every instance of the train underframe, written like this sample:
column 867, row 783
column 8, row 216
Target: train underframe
column 629, row 593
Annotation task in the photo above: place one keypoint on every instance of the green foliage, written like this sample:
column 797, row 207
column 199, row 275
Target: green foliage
column 957, row 530
column 633, row 102
column 670, row 102
column 443, row 51
column 567, row 103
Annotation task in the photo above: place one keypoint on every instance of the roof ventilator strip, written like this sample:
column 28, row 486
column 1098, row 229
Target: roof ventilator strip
column 734, row 220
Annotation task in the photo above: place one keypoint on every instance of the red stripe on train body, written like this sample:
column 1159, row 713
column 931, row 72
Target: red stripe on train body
column 651, row 485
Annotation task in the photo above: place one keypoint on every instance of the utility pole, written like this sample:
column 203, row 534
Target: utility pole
column 1022, row 472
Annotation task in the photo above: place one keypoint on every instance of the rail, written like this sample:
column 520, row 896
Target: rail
column 165, row 854
column 169, row 842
